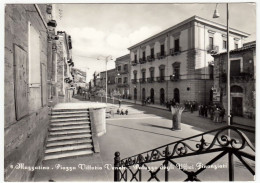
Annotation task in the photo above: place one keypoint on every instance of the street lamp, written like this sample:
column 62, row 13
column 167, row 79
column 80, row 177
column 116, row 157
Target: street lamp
column 216, row 15
column 106, row 59
column 230, row 155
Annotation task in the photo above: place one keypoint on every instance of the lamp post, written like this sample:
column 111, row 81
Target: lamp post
column 106, row 59
column 230, row 155
column 216, row 15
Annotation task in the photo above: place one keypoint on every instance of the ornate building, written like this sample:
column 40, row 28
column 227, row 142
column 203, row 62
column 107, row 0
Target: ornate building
column 177, row 63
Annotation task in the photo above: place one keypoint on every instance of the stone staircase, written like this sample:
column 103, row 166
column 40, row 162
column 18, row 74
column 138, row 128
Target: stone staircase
column 69, row 134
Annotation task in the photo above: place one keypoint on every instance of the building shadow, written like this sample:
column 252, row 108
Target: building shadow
column 156, row 126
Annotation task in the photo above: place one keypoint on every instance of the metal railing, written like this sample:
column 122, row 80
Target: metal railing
column 150, row 58
column 133, row 63
column 238, row 145
column 142, row 80
column 175, row 51
column 134, row 81
column 212, row 49
column 161, row 79
column 142, row 60
column 150, row 79
column 161, row 55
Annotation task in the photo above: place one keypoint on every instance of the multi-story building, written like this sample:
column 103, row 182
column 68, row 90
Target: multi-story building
column 64, row 66
column 123, row 75
column 177, row 63
column 29, row 31
column 111, row 84
column 242, row 80
column 79, row 77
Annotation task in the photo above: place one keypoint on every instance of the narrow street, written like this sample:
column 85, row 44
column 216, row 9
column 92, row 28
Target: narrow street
column 145, row 128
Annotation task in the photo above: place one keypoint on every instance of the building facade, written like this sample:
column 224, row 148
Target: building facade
column 64, row 66
column 242, row 80
column 177, row 63
column 79, row 77
column 111, row 84
column 123, row 75
column 28, row 44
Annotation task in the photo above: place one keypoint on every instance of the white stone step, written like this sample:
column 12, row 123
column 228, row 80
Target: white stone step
column 70, row 123
column 72, row 119
column 68, row 148
column 69, row 132
column 69, row 116
column 69, row 112
column 69, row 127
column 69, row 137
column 68, row 142
column 68, row 154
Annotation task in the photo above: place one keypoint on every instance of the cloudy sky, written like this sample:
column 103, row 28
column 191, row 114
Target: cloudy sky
column 109, row 29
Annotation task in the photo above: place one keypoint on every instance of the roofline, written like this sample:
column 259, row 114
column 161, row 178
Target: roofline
column 122, row 56
column 197, row 18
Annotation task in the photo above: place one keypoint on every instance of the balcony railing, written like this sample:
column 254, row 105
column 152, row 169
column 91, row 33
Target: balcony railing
column 242, row 78
column 142, row 60
column 208, row 147
column 142, row 80
column 134, row 62
column 134, row 81
column 122, row 84
column 175, row 51
column 161, row 79
column 174, row 77
column 150, row 58
column 212, row 49
column 150, row 79
column 161, row 55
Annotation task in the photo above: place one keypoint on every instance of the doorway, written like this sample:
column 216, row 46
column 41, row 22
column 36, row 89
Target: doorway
column 176, row 95
column 162, row 96
column 237, row 106
column 152, row 95
column 143, row 94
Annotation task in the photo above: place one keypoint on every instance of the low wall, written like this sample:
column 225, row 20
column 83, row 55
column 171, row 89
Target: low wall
column 98, row 121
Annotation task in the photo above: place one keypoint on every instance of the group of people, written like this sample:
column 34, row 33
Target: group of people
column 122, row 112
column 215, row 112
column 170, row 103
column 148, row 100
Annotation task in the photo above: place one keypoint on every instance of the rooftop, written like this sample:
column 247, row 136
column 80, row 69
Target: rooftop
column 193, row 18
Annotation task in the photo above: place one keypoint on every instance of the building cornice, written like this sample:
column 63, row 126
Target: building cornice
column 194, row 18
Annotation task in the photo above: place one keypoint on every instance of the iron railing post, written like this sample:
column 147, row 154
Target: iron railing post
column 116, row 166
column 231, row 166
column 166, row 164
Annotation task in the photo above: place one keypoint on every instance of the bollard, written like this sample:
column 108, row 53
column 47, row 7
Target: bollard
column 176, row 117
column 116, row 166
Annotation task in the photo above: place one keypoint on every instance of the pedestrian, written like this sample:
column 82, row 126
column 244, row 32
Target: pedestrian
column 191, row 107
column 122, row 112
column 118, row 111
column 126, row 112
column 119, row 103
column 216, row 115
column 222, row 114
column 206, row 111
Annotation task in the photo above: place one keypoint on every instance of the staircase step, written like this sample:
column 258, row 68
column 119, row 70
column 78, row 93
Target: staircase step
column 68, row 148
column 73, row 119
column 69, row 112
column 68, row 154
column 68, row 116
column 69, row 137
column 69, row 132
column 68, row 142
column 70, row 123
column 69, row 127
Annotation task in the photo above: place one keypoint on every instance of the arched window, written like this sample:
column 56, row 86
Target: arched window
column 236, row 89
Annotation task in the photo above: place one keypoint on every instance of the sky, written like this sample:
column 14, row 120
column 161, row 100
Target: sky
column 109, row 29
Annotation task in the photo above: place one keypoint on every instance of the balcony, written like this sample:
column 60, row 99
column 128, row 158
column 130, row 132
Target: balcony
column 122, row 84
column 111, row 82
column 123, row 71
column 142, row 60
column 142, row 80
column 161, row 55
column 134, row 63
column 243, row 77
column 174, row 77
column 212, row 49
column 150, row 58
column 175, row 51
column 134, row 81
column 150, row 79
column 161, row 79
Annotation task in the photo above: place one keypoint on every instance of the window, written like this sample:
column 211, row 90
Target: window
column 152, row 52
column 135, row 75
column 176, row 72
column 125, row 67
column 224, row 44
column 143, row 55
column 235, row 68
column 152, row 73
column 135, row 58
column 162, row 73
column 211, row 42
column 125, row 79
column 143, row 74
column 162, row 49
column 119, row 68
column 176, row 45
column 119, row 80
column 236, row 46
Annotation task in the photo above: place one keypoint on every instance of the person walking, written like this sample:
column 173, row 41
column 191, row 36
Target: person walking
column 191, row 107
column 206, row 111
column 119, row 103
column 216, row 115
